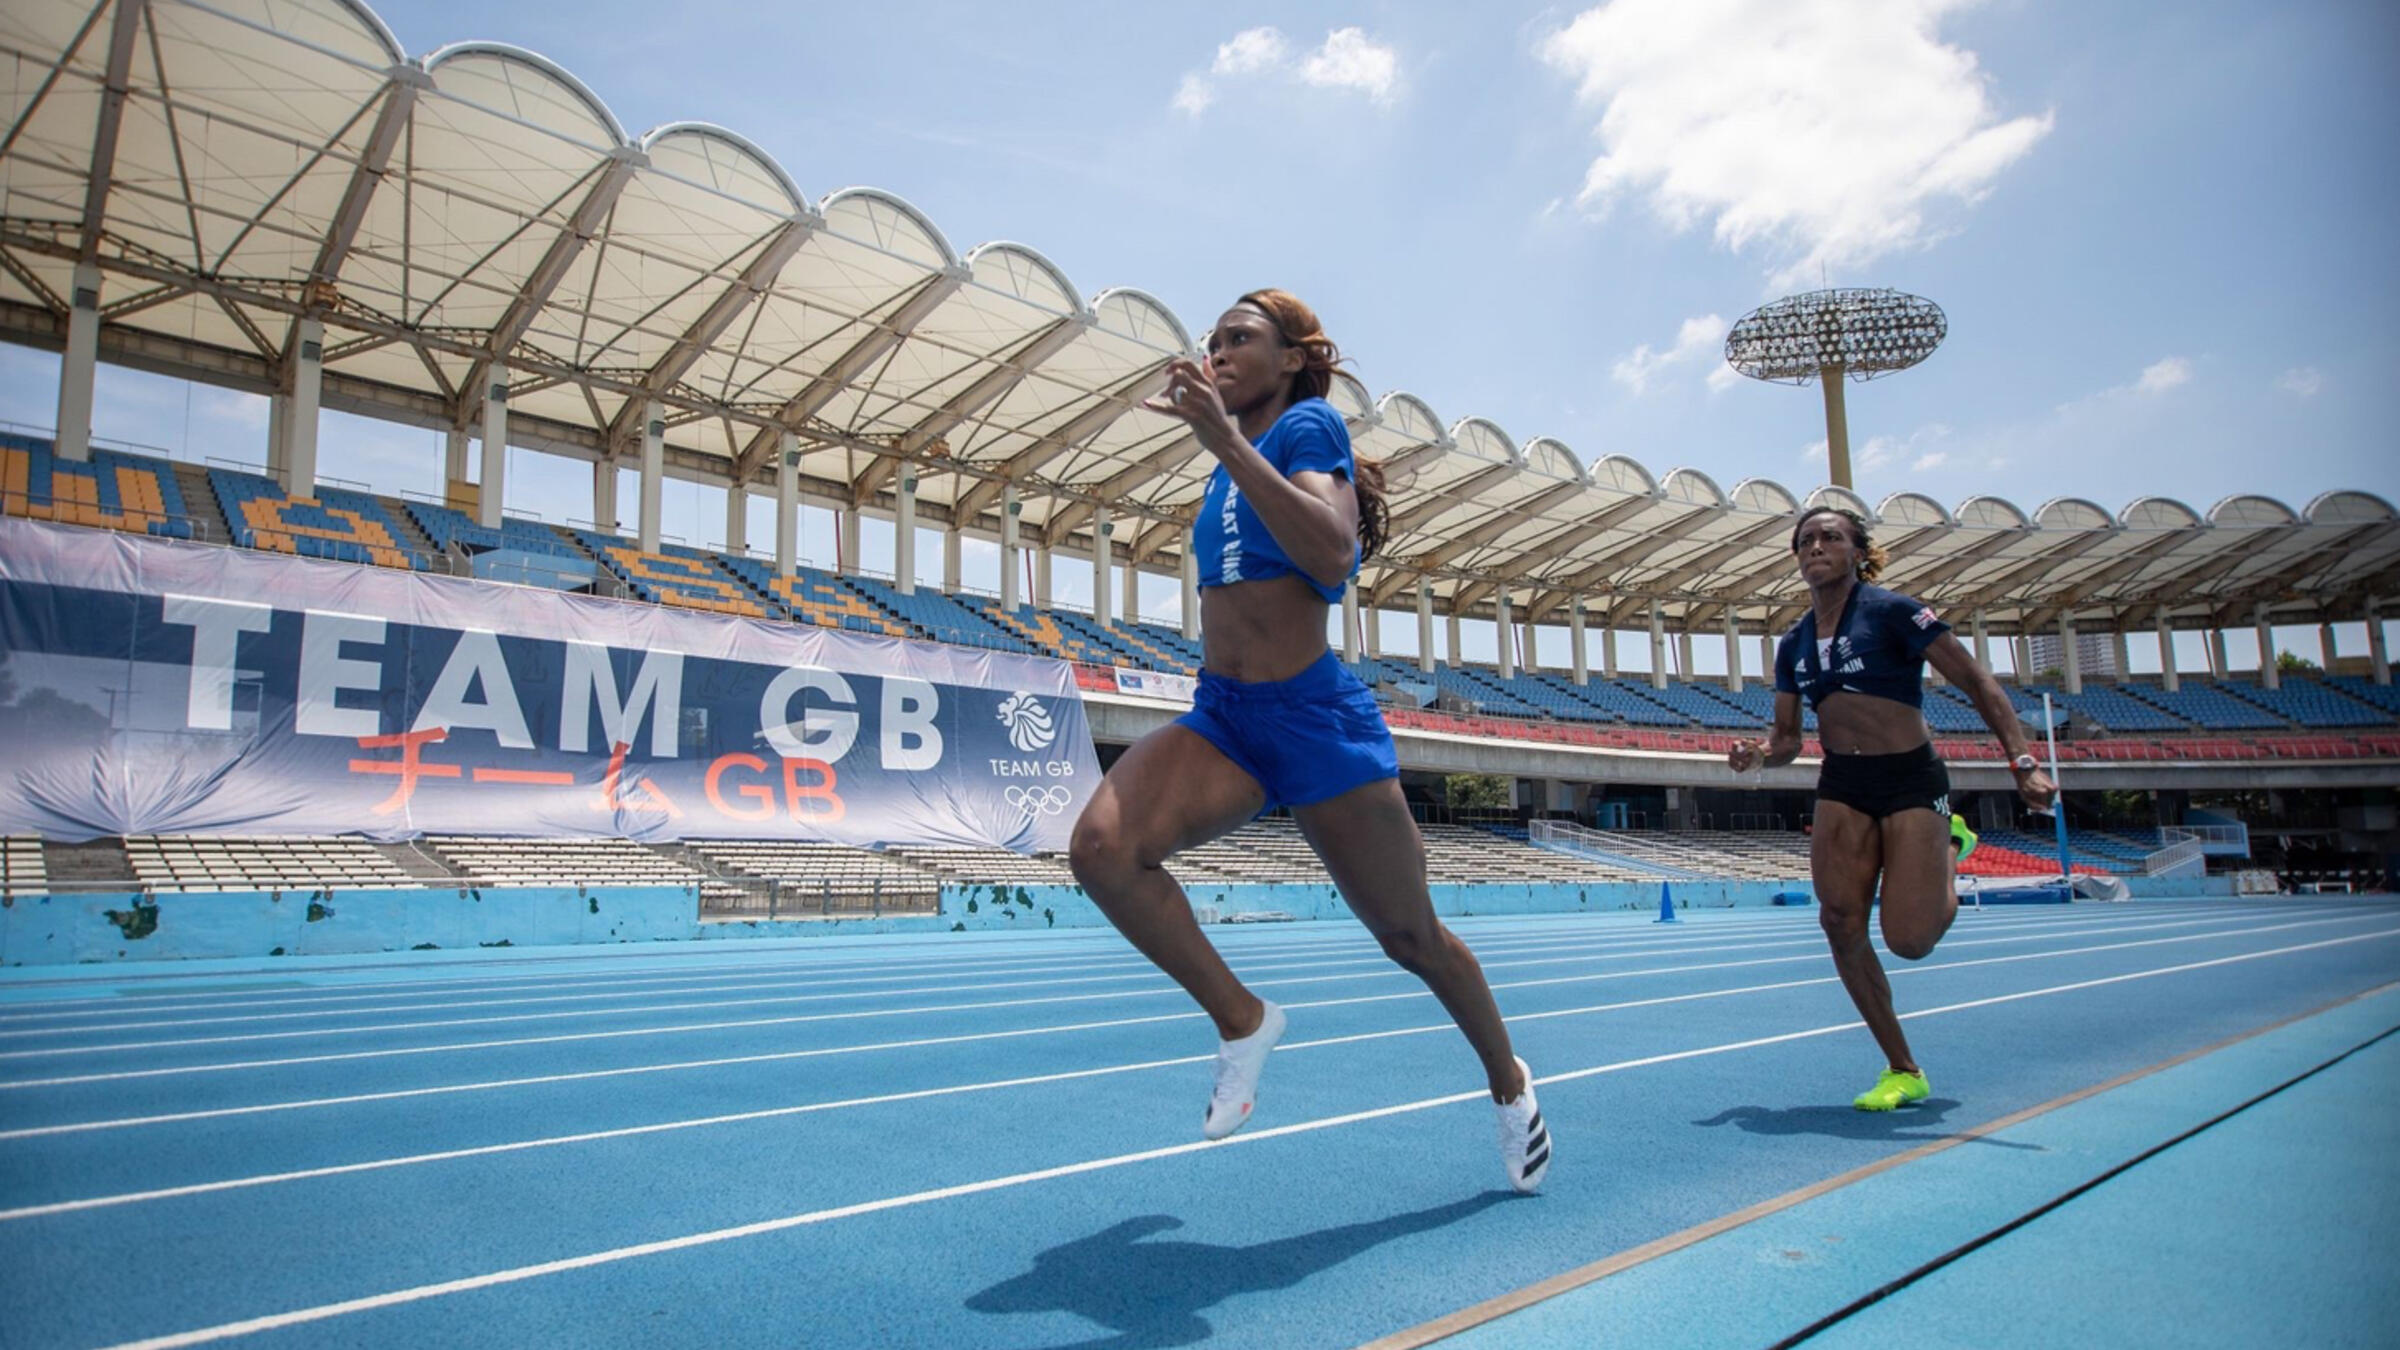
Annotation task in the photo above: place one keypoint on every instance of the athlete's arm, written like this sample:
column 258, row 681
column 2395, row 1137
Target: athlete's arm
column 1313, row 516
column 1782, row 745
column 1960, row 667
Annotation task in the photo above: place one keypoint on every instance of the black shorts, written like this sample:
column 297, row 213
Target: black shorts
column 1879, row 785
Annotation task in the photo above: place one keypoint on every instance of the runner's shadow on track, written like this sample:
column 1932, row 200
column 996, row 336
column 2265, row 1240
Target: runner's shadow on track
column 1847, row 1122
column 1151, row 1294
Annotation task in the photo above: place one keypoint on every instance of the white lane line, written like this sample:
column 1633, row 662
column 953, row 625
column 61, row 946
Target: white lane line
column 767, row 966
column 490, row 1279
column 769, row 1112
column 122, row 1075
column 1137, row 968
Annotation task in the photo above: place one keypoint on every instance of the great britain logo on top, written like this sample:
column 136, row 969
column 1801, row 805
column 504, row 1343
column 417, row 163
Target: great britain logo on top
column 1028, row 722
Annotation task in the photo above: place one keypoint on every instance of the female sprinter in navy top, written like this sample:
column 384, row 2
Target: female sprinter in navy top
column 1278, row 720
column 1883, row 797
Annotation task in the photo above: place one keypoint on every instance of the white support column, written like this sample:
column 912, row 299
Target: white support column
column 1131, row 577
column 1504, row 634
column 279, row 438
column 1102, row 530
column 1187, row 579
column 1608, row 652
column 1658, row 646
column 1983, row 640
column 954, row 560
column 1451, row 652
column 79, row 366
column 1733, row 652
column 904, row 530
column 2268, row 675
column 845, row 548
column 1529, row 656
column 454, row 459
column 308, row 382
column 1766, row 659
column 2379, row 660
column 787, row 503
column 2124, row 650
column 654, row 472
column 494, row 487
column 1350, row 624
column 1041, row 578
column 1011, row 508
column 2168, row 678
column 2325, row 653
column 737, row 518
column 2218, row 663
column 604, row 496
column 1577, row 635
column 2020, row 651
column 1683, row 655
column 2071, row 659
column 1371, row 631
column 1425, row 627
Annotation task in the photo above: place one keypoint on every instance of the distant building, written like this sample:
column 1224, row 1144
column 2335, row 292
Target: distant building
column 2095, row 652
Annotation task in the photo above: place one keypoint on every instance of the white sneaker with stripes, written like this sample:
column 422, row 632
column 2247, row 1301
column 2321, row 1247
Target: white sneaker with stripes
column 1524, row 1138
column 1238, row 1065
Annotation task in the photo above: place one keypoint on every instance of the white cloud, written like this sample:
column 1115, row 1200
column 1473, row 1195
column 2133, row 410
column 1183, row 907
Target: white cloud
column 2306, row 381
column 2162, row 375
column 1697, row 337
column 1933, row 460
column 1351, row 60
column 1348, row 60
column 1823, row 131
column 1194, row 96
column 1250, row 51
column 1722, row 377
column 1814, row 454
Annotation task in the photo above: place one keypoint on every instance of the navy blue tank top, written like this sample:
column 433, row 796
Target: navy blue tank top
column 1232, row 542
column 1878, row 648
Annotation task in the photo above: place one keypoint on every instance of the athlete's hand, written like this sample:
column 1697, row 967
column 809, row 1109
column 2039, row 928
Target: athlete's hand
column 2035, row 787
column 1192, row 396
column 1746, row 755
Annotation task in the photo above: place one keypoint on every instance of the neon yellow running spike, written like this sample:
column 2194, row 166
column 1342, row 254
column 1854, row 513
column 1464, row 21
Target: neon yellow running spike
column 1962, row 838
column 1894, row 1089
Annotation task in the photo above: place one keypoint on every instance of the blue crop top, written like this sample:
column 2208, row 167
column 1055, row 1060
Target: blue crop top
column 1878, row 648
column 1233, row 543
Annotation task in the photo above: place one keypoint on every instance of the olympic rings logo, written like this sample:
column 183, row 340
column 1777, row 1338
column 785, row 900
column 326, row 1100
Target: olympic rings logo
column 1038, row 801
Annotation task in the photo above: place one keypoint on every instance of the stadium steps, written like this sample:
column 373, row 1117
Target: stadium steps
column 97, row 865
column 419, row 864
column 200, row 503
column 406, row 531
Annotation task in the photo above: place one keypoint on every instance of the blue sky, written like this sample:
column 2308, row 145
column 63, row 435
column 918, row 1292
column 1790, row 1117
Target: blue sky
column 2159, row 231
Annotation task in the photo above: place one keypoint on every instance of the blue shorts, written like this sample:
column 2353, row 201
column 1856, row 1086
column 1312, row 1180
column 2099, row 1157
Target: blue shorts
column 1307, row 739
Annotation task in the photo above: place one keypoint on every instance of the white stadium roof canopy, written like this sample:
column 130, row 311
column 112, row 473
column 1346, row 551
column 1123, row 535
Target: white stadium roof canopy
column 232, row 166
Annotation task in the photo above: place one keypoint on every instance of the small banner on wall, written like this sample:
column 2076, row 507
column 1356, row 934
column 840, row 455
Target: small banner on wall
column 153, row 687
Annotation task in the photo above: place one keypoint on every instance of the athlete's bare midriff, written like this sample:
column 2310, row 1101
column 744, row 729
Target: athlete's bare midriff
column 1257, row 631
column 1850, row 723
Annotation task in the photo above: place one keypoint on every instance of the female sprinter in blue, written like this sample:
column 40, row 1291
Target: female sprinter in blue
column 1279, row 721
column 1883, row 797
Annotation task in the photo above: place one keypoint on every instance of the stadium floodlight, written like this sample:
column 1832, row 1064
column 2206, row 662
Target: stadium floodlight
column 1826, row 335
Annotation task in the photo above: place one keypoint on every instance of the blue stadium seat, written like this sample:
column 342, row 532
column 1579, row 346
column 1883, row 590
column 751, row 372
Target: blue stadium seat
column 2309, row 703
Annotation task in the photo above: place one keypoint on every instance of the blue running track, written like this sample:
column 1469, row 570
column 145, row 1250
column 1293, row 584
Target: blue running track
column 972, row 1140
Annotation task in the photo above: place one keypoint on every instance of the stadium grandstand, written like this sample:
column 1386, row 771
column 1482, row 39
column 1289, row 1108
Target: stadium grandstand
column 427, row 240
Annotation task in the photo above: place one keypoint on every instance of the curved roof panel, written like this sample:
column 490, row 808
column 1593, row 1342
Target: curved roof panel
column 478, row 215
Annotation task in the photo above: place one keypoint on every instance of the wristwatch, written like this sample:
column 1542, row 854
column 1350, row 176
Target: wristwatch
column 2024, row 764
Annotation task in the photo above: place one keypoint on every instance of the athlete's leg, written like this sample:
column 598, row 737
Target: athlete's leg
column 1920, row 892
column 1845, row 854
column 1172, row 790
column 1371, row 847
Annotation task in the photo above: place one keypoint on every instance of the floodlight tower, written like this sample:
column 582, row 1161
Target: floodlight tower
column 1827, row 335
